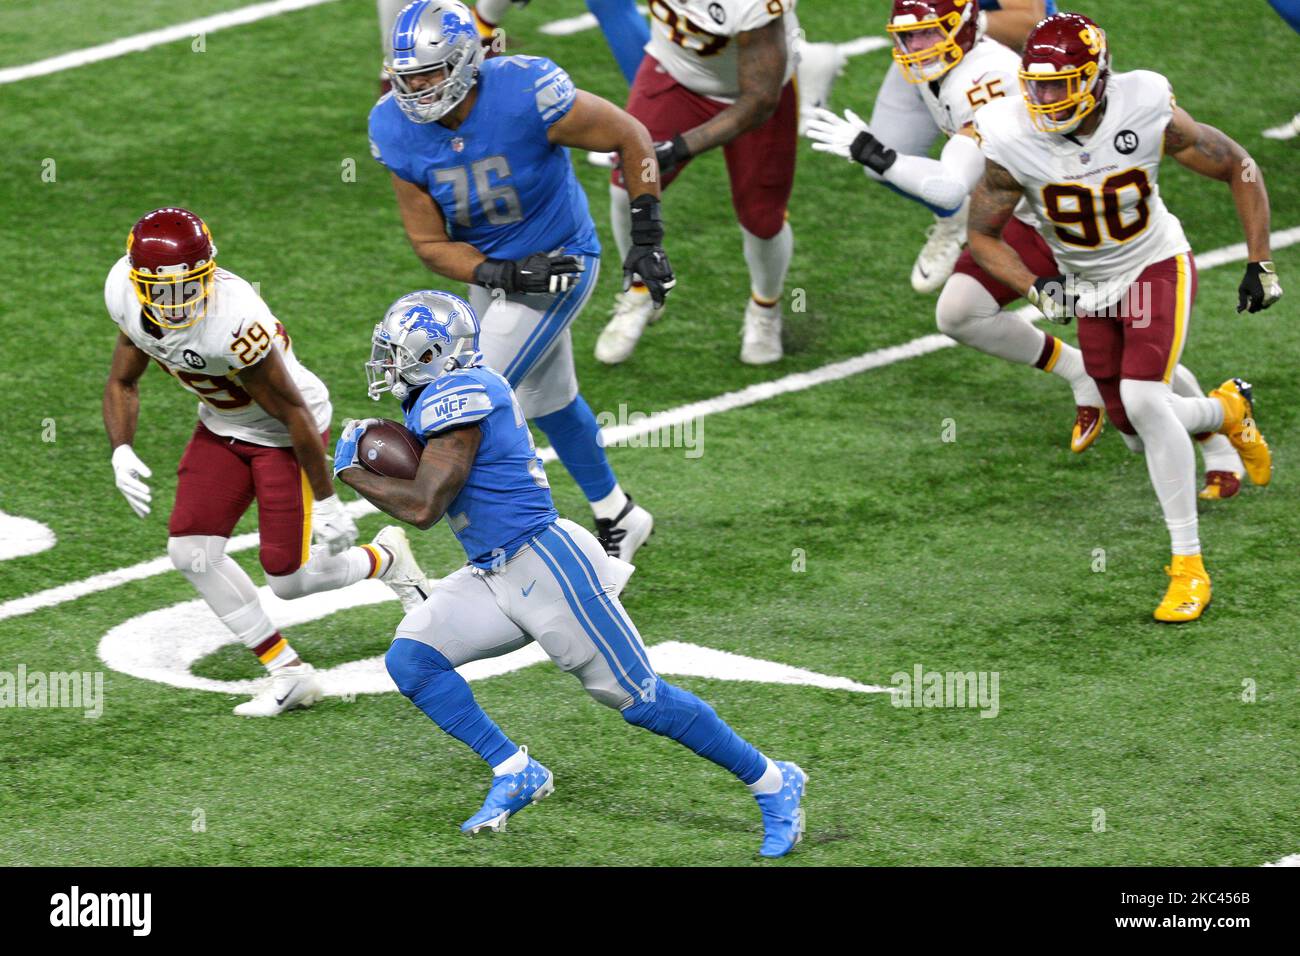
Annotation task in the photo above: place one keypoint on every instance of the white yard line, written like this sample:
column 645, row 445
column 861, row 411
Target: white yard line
column 1292, row 860
column 571, row 25
column 761, row 392
column 143, row 41
column 261, row 11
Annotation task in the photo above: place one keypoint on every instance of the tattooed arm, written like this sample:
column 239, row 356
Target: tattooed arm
column 1205, row 150
column 991, row 206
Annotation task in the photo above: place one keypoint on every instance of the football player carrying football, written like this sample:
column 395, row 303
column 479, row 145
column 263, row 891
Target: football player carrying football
column 904, row 120
column 942, row 46
column 717, row 73
column 260, row 437
column 488, row 196
column 1083, row 148
column 531, row 576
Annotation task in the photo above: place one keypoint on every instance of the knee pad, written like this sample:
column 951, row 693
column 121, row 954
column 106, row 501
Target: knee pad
column 412, row 665
column 287, row 586
column 1145, row 403
column 196, row 553
column 962, row 300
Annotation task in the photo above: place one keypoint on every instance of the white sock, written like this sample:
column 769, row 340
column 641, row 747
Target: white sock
column 1171, row 462
column 515, row 763
column 968, row 313
column 324, row 572
column 768, row 261
column 610, row 506
column 1069, row 366
column 1216, row 451
column 620, row 220
column 771, row 780
column 228, row 590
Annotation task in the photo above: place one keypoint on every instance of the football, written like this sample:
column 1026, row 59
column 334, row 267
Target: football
column 388, row 449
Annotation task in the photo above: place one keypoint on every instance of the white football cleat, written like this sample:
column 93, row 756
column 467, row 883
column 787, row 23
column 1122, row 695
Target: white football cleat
column 633, row 311
column 622, row 536
column 288, row 687
column 1286, row 131
column 943, row 245
column 761, row 340
column 819, row 65
column 603, row 160
column 403, row 574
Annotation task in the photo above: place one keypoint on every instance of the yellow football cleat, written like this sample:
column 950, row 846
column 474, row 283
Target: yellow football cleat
column 1189, row 590
column 1220, row 485
column 1238, row 401
column 1087, row 426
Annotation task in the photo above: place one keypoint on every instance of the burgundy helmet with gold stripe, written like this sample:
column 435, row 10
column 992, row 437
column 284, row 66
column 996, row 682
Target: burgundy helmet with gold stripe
column 1063, row 71
column 173, row 261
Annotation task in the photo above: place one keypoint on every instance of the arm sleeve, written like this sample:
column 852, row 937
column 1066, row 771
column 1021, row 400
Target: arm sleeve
column 945, row 182
column 460, row 405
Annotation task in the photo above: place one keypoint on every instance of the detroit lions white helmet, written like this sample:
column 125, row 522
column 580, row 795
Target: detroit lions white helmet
column 431, row 36
column 423, row 335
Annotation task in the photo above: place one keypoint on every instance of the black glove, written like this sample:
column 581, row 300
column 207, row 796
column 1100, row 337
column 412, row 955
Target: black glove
column 671, row 153
column 647, row 259
column 1055, row 297
column 872, row 153
column 536, row 273
column 1260, row 287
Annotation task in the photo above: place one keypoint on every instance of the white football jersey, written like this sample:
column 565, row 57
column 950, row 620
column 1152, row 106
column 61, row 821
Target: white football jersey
column 694, row 40
column 1099, row 198
column 990, row 71
column 235, row 333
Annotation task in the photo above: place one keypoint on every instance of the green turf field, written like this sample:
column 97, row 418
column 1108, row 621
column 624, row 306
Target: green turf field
column 970, row 555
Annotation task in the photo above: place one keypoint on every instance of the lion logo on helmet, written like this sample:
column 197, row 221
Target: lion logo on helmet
column 422, row 317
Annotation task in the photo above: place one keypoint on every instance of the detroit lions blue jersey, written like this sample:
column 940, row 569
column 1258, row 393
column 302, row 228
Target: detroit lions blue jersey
column 501, row 186
column 506, row 499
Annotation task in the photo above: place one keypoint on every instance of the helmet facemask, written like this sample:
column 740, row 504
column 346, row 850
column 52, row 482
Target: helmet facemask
column 435, row 37
column 1058, row 101
column 933, row 60
column 395, row 368
column 174, row 297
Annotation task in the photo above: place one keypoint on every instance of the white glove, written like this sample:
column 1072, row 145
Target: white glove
column 830, row 134
column 129, row 470
column 331, row 525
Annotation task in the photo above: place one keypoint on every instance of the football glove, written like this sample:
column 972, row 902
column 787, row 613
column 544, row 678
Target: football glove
column 345, row 450
column 537, row 273
column 1260, row 287
column 671, row 153
column 1055, row 297
column 849, row 137
column 331, row 526
column 646, row 258
column 129, row 471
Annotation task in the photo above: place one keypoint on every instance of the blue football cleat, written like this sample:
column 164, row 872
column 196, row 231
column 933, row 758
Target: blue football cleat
column 783, row 818
column 510, row 793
